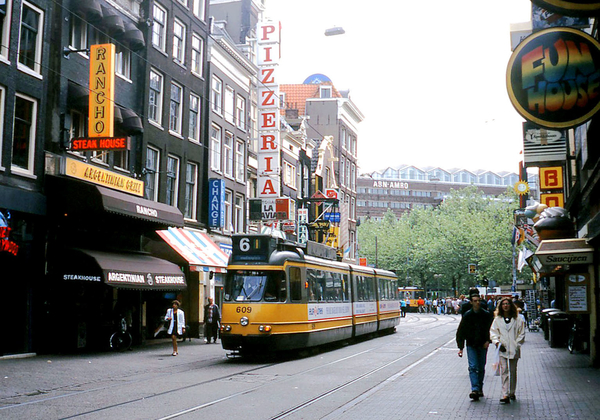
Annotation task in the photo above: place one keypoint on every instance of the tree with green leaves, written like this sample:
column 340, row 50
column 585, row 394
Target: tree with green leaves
column 432, row 246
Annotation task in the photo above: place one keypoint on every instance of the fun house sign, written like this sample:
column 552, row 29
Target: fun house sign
column 553, row 77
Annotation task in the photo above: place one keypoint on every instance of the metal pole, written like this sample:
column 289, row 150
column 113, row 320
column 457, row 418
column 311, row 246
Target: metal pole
column 376, row 252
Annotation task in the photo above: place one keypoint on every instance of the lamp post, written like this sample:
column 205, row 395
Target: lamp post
column 437, row 277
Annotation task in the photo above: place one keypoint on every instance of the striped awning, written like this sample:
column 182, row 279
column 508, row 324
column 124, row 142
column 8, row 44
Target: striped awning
column 197, row 248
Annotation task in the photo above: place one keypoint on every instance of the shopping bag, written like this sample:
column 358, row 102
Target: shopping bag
column 496, row 362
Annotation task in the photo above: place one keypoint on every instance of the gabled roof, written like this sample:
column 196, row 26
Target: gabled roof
column 296, row 95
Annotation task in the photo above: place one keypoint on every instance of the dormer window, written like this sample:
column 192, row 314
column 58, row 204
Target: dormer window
column 325, row 92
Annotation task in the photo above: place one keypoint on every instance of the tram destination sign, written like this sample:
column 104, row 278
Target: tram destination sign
column 80, row 144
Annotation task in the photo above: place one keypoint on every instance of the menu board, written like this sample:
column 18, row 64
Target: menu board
column 577, row 293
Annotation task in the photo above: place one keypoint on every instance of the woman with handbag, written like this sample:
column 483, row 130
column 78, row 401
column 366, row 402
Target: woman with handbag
column 508, row 334
column 177, row 324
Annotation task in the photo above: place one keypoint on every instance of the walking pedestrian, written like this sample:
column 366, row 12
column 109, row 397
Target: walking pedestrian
column 212, row 317
column 403, row 308
column 474, row 328
column 508, row 334
column 177, row 324
column 421, row 305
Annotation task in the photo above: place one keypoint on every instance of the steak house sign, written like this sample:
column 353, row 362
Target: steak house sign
column 553, row 77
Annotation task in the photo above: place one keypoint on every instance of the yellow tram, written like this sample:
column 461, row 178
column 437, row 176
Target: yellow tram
column 278, row 297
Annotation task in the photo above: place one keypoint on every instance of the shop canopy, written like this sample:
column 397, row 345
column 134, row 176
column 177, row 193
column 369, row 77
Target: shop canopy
column 197, row 248
column 120, row 270
column 71, row 196
column 565, row 251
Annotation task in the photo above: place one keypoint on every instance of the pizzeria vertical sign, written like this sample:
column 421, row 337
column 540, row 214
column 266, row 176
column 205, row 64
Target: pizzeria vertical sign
column 269, row 141
column 553, row 77
column 102, row 90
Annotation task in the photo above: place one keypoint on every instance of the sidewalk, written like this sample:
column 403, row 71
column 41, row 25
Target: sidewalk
column 44, row 373
column 552, row 384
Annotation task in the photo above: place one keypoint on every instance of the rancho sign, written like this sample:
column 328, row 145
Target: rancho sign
column 553, row 77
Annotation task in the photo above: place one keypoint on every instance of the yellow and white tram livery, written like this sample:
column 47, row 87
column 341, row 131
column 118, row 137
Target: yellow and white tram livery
column 277, row 297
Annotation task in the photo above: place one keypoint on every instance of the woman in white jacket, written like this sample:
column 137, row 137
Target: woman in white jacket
column 508, row 334
column 177, row 324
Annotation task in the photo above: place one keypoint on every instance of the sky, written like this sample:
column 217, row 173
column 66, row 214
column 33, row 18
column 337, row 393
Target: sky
column 429, row 76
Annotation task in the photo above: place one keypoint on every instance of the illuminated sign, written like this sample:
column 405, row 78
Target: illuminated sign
column 216, row 203
column 102, row 90
column 99, row 176
column 551, row 178
column 390, row 184
column 553, row 200
column 105, row 143
column 269, row 142
column 553, row 77
column 6, row 245
column 571, row 8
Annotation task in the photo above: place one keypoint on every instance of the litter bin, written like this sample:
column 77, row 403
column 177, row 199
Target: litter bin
column 559, row 327
column 544, row 321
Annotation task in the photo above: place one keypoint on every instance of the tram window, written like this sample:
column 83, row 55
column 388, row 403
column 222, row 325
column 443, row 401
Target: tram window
column 365, row 290
column 295, row 284
column 250, row 285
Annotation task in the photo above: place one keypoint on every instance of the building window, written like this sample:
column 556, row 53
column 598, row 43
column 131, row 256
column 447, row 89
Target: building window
column 175, row 108
column 197, row 55
column 121, row 159
column 23, row 147
column 238, row 222
column 194, row 129
column 325, row 92
column 228, row 154
column 342, row 171
column 100, row 157
column 289, row 175
column 151, row 171
column 77, row 128
column 2, row 112
column 215, row 148
column 172, row 180
column 78, row 33
column 159, row 27
column 179, row 42
column 240, row 112
column 229, row 104
column 191, row 182
column 199, row 9
column 123, row 61
column 217, row 95
column 343, row 138
column 353, row 179
column 30, row 40
column 5, row 16
column 254, row 126
column 155, row 98
column 228, row 221
column 240, row 161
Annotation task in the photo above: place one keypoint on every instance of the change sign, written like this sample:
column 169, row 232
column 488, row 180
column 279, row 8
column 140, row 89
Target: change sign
column 553, row 77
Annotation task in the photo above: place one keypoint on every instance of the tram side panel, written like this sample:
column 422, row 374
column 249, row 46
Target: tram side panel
column 364, row 303
column 388, row 303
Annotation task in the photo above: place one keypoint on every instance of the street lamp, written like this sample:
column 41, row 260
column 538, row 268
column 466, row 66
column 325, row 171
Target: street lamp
column 437, row 277
column 336, row 30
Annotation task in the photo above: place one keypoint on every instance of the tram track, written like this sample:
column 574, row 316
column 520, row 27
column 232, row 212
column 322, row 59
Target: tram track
column 255, row 368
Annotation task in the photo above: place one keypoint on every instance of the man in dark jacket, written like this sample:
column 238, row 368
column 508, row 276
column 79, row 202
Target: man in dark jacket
column 466, row 304
column 212, row 318
column 474, row 328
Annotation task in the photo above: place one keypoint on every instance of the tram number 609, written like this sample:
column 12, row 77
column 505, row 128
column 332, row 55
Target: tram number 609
column 243, row 309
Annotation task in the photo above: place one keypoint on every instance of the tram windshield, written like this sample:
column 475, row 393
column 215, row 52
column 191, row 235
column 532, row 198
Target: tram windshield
column 253, row 286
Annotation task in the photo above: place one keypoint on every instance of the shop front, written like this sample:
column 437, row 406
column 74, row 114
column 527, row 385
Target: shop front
column 22, row 239
column 206, row 266
column 570, row 280
column 97, row 273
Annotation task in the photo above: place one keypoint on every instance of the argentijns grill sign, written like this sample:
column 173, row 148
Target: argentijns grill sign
column 571, row 7
column 553, row 77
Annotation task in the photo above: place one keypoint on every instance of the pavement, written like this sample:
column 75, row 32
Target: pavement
column 552, row 383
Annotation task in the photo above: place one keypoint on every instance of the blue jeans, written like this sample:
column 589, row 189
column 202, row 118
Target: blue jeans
column 477, row 357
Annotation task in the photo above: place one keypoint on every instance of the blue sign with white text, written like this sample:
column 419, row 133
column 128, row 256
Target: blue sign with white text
column 332, row 217
column 216, row 203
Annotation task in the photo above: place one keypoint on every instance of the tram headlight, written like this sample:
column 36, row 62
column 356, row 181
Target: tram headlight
column 226, row 328
column 264, row 328
column 244, row 321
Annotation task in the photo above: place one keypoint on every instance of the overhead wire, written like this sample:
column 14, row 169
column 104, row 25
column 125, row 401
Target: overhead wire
column 159, row 66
